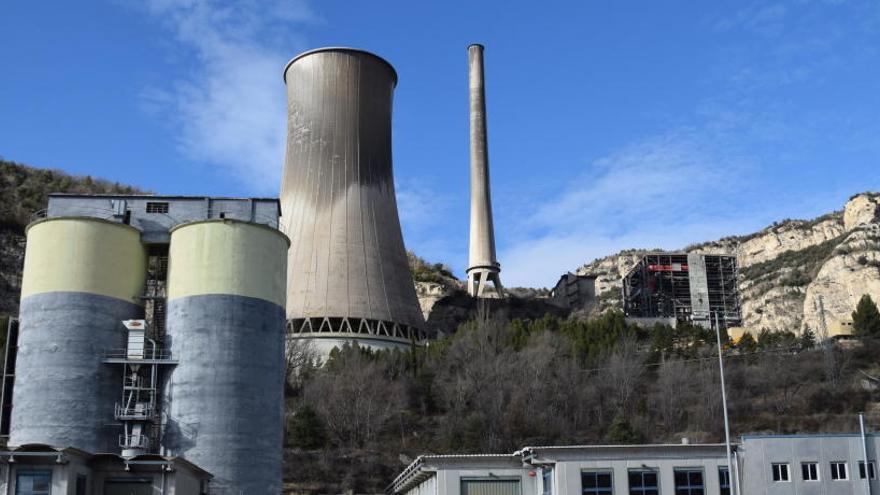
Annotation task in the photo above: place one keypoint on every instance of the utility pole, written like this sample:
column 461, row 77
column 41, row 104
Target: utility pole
column 730, row 469
column 865, row 454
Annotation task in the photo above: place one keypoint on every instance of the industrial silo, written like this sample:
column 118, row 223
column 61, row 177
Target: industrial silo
column 225, row 327
column 82, row 277
column 348, row 276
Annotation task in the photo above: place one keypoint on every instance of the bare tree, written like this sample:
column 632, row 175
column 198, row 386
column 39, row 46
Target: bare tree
column 672, row 378
column 354, row 398
column 298, row 354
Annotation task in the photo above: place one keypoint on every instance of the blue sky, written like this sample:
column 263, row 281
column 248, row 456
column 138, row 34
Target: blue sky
column 611, row 124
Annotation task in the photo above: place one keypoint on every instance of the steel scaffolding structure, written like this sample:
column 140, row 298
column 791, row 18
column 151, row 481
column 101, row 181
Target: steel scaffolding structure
column 665, row 285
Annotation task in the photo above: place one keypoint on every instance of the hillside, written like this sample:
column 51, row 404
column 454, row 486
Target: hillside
column 25, row 191
column 786, row 268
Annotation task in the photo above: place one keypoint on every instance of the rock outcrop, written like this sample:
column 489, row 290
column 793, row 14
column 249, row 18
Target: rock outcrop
column 787, row 268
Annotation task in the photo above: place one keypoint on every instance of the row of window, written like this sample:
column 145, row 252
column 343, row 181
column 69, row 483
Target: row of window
column 688, row 481
column 810, row 471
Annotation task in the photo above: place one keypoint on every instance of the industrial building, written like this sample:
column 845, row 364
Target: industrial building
column 348, row 276
column 575, row 292
column 683, row 287
column 150, row 342
column 763, row 465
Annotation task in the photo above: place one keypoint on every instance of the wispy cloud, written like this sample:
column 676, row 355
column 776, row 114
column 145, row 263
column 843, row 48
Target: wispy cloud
column 424, row 211
column 230, row 111
column 661, row 192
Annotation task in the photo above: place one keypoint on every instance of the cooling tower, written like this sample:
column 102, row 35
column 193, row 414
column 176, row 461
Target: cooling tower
column 82, row 277
column 225, row 327
column 348, row 276
column 483, row 267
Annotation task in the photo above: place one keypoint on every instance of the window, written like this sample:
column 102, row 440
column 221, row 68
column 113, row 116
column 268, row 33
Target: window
column 643, row 482
column 870, row 470
column 780, row 471
column 596, row 483
column 33, row 483
column 81, row 484
column 809, row 471
column 689, row 482
column 547, row 481
column 838, row 470
column 724, row 480
column 157, row 207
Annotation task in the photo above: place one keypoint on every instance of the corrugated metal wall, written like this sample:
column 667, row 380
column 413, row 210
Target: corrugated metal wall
column 490, row 487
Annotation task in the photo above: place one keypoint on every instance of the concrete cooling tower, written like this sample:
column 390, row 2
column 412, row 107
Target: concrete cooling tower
column 348, row 277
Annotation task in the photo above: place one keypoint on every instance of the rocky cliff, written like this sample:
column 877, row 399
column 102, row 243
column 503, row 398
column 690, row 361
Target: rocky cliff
column 788, row 270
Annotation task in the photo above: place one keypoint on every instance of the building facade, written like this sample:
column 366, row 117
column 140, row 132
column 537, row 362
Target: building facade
column 762, row 465
column 688, row 287
column 575, row 292
column 809, row 464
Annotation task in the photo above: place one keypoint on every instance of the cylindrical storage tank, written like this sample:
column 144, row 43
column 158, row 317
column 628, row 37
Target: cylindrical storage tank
column 225, row 327
column 82, row 277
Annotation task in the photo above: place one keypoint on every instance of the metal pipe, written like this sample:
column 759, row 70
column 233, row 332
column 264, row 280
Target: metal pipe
column 865, row 453
column 723, row 397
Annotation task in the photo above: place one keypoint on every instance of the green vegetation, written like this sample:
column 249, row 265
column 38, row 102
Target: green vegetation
column 25, row 190
column 866, row 317
column 422, row 271
column 496, row 385
column 800, row 266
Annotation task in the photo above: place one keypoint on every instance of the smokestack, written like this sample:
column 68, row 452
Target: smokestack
column 348, row 275
column 482, row 265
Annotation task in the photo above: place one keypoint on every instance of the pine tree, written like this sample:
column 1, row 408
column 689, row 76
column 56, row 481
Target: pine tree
column 808, row 339
column 866, row 317
column 307, row 430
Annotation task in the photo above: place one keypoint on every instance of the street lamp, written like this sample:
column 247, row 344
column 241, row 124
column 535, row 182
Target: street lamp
column 730, row 470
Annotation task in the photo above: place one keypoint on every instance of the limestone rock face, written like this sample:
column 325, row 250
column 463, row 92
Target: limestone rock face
column 790, row 236
column 609, row 271
column 851, row 272
column 862, row 209
column 787, row 267
column 777, row 309
column 431, row 292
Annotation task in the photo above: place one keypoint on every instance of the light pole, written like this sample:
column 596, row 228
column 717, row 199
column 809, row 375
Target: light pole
column 730, row 469
column 865, row 454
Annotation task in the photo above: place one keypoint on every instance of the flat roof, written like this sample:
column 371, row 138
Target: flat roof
column 168, row 197
column 159, row 196
column 413, row 474
column 808, row 435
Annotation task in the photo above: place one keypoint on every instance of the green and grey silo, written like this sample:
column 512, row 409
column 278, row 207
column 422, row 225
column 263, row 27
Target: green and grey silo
column 225, row 327
column 82, row 277
column 348, row 277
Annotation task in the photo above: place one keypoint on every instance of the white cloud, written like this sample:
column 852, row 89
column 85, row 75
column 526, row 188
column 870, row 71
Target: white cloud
column 230, row 110
column 663, row 192
column 424, row 211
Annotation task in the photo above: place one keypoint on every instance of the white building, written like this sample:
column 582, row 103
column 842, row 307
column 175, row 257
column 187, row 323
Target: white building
column 829, row 464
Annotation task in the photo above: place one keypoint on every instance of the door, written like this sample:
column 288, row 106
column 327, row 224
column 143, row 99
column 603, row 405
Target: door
column 490, row 487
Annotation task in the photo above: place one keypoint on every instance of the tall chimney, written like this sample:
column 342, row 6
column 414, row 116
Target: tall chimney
column 482, row 265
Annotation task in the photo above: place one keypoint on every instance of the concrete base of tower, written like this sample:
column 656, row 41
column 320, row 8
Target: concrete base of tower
column 478, row 282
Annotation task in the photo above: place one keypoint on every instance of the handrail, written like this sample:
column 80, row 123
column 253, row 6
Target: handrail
column 122, row 353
